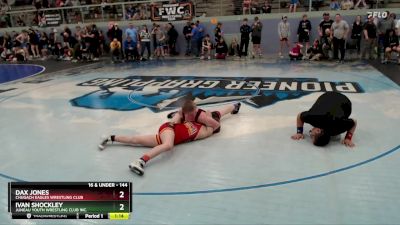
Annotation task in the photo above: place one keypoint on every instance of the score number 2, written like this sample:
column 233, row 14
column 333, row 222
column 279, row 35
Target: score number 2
column 121, row 195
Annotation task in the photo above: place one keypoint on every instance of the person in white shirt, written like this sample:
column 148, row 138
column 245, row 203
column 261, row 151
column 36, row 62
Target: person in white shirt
column 145, row 36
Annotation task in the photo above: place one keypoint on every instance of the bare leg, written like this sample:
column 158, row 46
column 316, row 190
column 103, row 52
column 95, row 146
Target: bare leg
column 144, row 140
column 167, row 139
column 223, row 110
column 226, row 110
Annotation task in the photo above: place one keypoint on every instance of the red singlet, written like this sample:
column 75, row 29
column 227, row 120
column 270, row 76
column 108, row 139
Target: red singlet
column 184, row 132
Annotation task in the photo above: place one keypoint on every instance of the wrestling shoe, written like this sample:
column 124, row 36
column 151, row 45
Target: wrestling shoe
column 104, row 140
column 172, row 114
column 236, row 109
column 137, row 167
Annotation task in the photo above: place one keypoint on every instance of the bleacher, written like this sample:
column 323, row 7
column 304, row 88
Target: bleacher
column 234, row 7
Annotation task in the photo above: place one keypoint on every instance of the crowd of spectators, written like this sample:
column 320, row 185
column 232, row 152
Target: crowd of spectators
column 261, row 7
column 370, row 38
column 373, row 39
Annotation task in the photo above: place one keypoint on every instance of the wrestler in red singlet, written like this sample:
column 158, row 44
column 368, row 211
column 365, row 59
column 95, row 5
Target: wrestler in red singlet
column 184, row 132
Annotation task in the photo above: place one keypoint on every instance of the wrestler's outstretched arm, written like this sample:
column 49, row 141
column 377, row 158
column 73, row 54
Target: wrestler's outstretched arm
column 299, row 135
column 349, row 135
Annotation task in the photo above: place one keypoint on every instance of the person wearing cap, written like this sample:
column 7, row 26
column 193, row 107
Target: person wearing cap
column 370, row 34
column 326, row 23
column 329, row 116
column 284, row 34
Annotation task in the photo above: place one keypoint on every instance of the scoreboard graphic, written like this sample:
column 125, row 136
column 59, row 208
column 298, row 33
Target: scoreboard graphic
column 70, row 200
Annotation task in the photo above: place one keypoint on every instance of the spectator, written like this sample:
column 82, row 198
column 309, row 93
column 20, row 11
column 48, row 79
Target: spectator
column 115, row 32
column 284, row 34
column 130, row 48
column 221, row 49
column 326, row 23
column 256, row 36
column 72, row 46
column 165, row 29
column 132, row 32
column 94, row 42
column 22, row 43
column 160, row 39
column 153, row 37
column 145, row 41
column 130, row 12
column 43, row 45
column 340, row 30
column 102, row 42
column 364, row 4
column 34, row 43
column 356, row 32
column 347, row 4
column 303, row 31
column 202, row 30
column 245, row 31
column 293, row 5
column 66, row 29
column 383, row 26
column 37, row 4
column 218, row 32
column 391, row 44
column 52, row 42
column 326, row 43
column 41, row 19
column 187, row 30
column 246, row 6
column 172, row 38
column 115, row 48
column 195, row 36
column 78, row 33
column 398, row 27
column 87, row 40
column 20, row 22
column 315, row 52
column 266, row 8
column 295, row 53
column 234, row 47
column 334, row 5
column 370, row 34
column 7, row 41
column 254, row 7
column 206, row 48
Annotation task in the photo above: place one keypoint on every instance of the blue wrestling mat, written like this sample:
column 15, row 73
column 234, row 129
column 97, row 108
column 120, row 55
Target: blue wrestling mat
column 12, row 72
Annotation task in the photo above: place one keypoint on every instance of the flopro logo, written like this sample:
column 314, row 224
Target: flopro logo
column 160, row 93
column 377, row 14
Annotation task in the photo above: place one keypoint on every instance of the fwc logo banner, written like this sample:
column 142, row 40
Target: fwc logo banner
column 160, row 93
column 172, row 12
